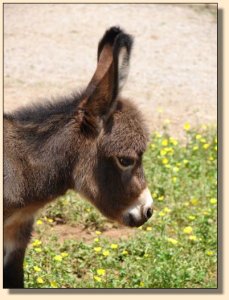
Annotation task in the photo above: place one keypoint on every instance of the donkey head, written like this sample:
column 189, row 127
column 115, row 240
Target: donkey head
column 115, row 138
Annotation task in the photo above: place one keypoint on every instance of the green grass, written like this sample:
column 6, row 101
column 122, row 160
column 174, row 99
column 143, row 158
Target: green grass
column 177, row 248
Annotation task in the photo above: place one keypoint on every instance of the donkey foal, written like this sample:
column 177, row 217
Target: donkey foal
column 92, row 142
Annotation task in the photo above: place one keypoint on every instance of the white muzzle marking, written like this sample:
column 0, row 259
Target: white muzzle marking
column 138, row 212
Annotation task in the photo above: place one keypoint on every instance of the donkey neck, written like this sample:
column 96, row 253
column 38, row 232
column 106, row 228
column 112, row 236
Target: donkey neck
column 48, row 149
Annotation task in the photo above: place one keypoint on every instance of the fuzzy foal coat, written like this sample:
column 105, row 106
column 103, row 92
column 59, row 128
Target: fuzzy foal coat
column 71, row 144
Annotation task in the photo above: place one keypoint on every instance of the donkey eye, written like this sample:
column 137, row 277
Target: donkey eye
column 125, row 162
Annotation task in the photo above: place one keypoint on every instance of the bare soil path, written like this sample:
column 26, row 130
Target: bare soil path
column 50, row 50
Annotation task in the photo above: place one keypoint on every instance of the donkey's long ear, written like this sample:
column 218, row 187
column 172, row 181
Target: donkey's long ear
column 110, row 75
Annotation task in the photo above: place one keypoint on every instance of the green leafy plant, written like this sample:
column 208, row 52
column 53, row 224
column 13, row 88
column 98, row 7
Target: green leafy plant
column 176, row 248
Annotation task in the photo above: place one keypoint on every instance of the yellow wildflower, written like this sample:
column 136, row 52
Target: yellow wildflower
column 58, row 258
column 124, row 252
column 53, row 284
column 174, row 179
column 96, row 240
column 152, row 146
column 98, row 232
column 114, row 246
column 39, row 222
column 173, row 141
column 213, row 201
column 36, row 269
column 187, row 230
column 88, row 209
column 40, row 280
column 161, row 214
column 169, row 150
column 176, row 169
column 64, row 254
column 163, row 152
column 195, row 148
column 192, row 238
column 101, row 272
column 185, row 161
column 167, row 210
column 198, row 136
column 148, row 228
column 161, row 198
column 142, row 284
column 187, row 126
column 191, row 218
column 36, row 243
column 194, row 201
column 50, row 220
column 203, row 140
column 38, row 250
column 164, row 142
column 97, row 249
column 210, row 253
column 165, row 161
column 106, row 253
column 172, row 241
column 215, row 148
column 206, row 146
column 97, row 278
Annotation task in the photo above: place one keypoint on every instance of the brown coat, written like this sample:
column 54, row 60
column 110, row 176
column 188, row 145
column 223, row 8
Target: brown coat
column 92, row 142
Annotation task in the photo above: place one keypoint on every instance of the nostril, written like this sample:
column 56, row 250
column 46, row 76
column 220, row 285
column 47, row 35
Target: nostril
column 149, row 213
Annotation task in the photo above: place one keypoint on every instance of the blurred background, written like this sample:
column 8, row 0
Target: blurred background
column 50, row 50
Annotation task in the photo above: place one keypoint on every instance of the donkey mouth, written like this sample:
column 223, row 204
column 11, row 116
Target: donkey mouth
column 141, row 212
column 131, row 220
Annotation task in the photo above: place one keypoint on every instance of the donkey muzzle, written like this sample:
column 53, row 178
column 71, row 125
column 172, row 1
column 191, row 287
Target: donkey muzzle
column 139, row 213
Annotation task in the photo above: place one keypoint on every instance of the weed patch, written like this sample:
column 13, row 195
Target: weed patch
column 176, row 248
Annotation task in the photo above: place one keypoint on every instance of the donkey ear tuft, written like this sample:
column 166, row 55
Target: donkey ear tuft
column 121, row 44
column 108, row 38
column 101, row 94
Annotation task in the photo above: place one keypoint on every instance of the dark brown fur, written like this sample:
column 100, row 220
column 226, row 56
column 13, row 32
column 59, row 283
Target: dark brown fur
column 71, row 144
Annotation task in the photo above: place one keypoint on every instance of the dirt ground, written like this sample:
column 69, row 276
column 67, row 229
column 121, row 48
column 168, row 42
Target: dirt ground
column 78, row 232
column 50, row 50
